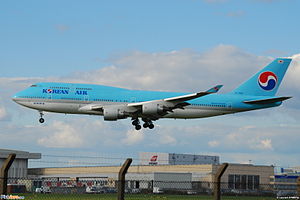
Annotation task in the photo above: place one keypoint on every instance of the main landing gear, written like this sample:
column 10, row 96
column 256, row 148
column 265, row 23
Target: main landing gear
column 147, row 124
column 41, row 120
column 137, row 125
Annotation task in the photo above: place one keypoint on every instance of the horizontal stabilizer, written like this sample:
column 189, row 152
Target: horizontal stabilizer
column 267, row 101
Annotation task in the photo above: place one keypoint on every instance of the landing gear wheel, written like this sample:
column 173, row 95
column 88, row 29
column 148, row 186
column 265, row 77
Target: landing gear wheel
column 151, row 126
column 135, row 122
column 145, row 125
column 41, row 120
column 138, row 127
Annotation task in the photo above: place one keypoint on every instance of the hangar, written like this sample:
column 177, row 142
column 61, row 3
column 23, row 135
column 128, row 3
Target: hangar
column 20, row 165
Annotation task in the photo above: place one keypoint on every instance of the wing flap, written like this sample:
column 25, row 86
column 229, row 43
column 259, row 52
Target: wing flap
column 92, row 107
column 267, row 101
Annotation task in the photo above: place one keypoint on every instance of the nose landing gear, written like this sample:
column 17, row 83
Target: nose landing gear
column 41, row 120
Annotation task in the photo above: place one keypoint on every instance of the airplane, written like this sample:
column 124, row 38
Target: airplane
column 114, row 103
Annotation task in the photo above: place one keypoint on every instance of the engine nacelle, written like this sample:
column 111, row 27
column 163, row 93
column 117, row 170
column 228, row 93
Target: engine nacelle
column 153, row 109
column 113, row 113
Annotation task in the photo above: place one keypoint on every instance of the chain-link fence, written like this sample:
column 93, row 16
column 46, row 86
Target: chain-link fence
column 104, row 188
column 95, row 180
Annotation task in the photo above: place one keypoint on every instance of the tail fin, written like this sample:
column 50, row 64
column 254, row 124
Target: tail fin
column 267, row 81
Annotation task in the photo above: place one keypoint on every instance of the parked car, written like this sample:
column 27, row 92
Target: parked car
column 135, row 191
column 191, row 192
column 111, row 190
column 94, row 190
column 287, row 193
column 43, row 189
column 157, row 190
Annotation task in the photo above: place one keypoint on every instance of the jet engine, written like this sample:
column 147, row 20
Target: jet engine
column 113, row 113
column 153, row 109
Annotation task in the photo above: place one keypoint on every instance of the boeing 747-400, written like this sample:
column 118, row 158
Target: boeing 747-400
column 117, row 103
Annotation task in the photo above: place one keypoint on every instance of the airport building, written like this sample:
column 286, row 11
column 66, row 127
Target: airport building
column 286, row 180
column 162, row 169
column 236, row 176
column 20, row 165
column 152, row 158
column 156, row 170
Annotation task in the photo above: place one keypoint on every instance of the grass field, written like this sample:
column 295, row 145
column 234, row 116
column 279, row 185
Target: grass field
column 133, row 197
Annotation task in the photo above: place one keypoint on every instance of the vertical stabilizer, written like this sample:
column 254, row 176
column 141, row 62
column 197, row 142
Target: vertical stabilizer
column 267, row 81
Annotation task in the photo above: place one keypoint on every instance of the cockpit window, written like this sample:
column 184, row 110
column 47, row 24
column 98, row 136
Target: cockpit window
column 33, row 86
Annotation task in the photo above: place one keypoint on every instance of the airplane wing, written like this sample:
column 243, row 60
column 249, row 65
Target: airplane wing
column 162, row 107
column 182, row 98
column 148, row 109
column 194, row 96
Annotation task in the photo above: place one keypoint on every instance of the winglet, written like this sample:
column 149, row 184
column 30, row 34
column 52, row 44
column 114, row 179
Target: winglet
column 214, row 89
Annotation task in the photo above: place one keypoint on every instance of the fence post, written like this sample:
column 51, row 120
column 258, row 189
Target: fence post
column 121, row 179
column 217, row 181
column 298, row 186
column 4, row 173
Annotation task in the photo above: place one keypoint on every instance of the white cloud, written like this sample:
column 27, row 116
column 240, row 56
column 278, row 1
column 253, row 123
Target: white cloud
column 184, row 70
column 167, row 139
column 63, row 136
column 246, row 128
column 213, row 143
column 296, row 56
column 293, row 73
column 3, row 113
column 266, row 144
column 133, row 137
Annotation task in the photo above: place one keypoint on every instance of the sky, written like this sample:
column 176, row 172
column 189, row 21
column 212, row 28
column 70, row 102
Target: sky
column 171, row 45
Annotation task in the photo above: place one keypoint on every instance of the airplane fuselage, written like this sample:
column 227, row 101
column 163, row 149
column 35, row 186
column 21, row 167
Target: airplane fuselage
column 73, row 98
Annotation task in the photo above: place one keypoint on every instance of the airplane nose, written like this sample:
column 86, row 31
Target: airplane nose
column 15, row 98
